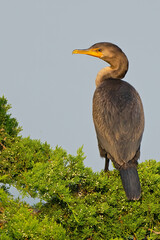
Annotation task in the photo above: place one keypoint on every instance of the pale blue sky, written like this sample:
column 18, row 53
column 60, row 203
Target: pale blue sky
column 51, row 90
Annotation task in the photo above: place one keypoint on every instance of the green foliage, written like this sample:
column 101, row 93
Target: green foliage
column 21, row 156
column 76, row 203
column 19, row 221
column 9, row 128
column 9, row 124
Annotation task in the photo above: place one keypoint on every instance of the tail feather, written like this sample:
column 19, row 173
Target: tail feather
column 131, row 184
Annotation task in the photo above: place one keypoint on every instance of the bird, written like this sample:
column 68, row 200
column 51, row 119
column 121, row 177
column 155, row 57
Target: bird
column 118, row 115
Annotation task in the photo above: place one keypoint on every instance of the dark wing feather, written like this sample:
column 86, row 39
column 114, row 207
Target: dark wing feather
column 119, row 119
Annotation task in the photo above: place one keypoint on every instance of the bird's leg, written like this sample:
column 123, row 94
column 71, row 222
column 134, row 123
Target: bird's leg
column 104, row 155
column 106, row 163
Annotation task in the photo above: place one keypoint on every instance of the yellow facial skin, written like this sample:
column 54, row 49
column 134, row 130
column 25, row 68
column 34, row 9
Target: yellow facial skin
column 95, row 52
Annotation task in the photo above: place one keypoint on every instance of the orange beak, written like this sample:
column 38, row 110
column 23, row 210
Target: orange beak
column 92, row 52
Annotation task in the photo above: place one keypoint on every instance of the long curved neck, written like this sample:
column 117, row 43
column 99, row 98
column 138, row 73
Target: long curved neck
column 116, row 71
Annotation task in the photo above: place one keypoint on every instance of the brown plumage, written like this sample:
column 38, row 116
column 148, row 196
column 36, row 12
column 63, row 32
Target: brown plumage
column 118, row 116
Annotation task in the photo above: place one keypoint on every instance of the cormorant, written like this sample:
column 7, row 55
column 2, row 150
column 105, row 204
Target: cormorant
column 118, row 116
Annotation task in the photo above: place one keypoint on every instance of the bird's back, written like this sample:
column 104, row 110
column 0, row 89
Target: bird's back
column 119, row 119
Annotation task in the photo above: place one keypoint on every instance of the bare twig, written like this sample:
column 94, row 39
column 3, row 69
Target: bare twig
column 154, row 231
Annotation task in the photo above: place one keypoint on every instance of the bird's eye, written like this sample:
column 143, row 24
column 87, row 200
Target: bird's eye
column 99, row 50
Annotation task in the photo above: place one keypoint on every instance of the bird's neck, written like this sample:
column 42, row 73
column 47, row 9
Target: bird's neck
column 116, row 71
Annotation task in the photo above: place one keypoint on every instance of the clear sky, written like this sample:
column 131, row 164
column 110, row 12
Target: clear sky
column 51, row 90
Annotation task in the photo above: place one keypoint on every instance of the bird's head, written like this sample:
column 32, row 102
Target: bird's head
column 111, row 54
column 106, row 51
